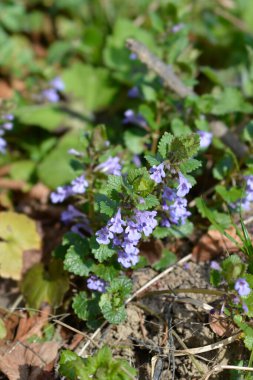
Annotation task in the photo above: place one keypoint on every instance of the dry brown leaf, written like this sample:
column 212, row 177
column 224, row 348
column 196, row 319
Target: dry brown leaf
column 220, row 324
column 29, row 326
column 28, row 361
column 213, row 244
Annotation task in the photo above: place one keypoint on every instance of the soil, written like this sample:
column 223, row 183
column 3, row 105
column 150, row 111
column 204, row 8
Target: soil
column 159, row 325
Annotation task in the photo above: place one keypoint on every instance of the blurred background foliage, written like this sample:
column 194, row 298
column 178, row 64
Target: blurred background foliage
column 209, row 43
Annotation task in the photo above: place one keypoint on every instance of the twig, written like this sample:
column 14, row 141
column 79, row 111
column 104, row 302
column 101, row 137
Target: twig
column 158, row 277
column 160, row 68
column 171, row 80
column 219, row 368
column 81, row 352
column 75, row 330
column 193, row 359
column 209, row 347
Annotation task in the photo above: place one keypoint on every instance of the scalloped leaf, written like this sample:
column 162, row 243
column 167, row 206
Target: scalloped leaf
column 18, row 234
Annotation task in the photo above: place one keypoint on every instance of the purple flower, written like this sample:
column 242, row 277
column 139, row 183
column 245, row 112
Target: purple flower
column 79, row 227
column 70, row 214
column 165, row 222
column 79, row 184
column 236, row 300
column 157, row 173
column 146, row 221
column 177, row 27
column 178, row 212
column 130, row 247
column 3, row 145
column 205, row 139
column 7, row 126
column 61, row 193
column 96, row 283
column 245, row 308
column 51, row 95
column 133, row 92
column 58, row 84
column 8, row 116
column 216, row 266
column 184, row 186
column 242, row 287
column 103, row 236
column 136, row 160
column 127, row 260
column 115, row 224
column 133, row 56
column 132, row 232
column 131, row 118
column 110, row 166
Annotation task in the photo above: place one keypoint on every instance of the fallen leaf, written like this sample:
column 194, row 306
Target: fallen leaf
column 18, row 233
column 220, row 324
column 213, row 244
column 28, row 361
column 29, row 326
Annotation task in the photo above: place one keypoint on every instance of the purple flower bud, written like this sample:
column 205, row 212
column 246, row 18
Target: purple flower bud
column 96, row 283
column 51, row 95
column 115, row 224
column 157, row 173
column 216, row 266
column 177, row 27
column 103, row 236
column 110, row 166
column 245, row 308
column 133, row 92
column 79, row 185
column 131, row 118
column 242, row 287
column 74, row 152
column 184, row 186
column 133, row 56
column 58, row 84
column 205, row 139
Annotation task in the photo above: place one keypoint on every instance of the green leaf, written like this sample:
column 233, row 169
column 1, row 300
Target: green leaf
column 114, row 184
column 161, row 232
column 219, row 220
column 183, row 147
column 87, row 308
column 148, row 115
column 164, row 144
column 247, row 133
column 18, row 233
column 22, row 170
column 48, row 117
column 114, row 315
column 190, row 165
column 140, row 181
column 147, row 203
column 72, row 366
column 232, row 268
column 229, row 101
column 152, row 160
column 76, row 259
column 230, row 196
column 224, row 166
column 40, row 285
column 103, row 252
column 168, row 258
column 179, row 128
column 106, row 205
column 135, row 140
column 86, row 82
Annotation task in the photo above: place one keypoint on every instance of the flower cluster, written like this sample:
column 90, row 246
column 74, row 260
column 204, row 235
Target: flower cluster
column 110, row 166
column 77, row 186
column 51, row 94
column 7, row 125
column 96, row 283
column 174, row 204
column 126, row 234
column 72, row 215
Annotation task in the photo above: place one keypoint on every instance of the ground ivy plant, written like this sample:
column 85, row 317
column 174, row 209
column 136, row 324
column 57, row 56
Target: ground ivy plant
column 113, row 209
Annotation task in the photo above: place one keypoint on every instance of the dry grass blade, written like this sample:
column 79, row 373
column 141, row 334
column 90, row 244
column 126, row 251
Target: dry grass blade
column 220, row 368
